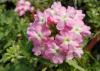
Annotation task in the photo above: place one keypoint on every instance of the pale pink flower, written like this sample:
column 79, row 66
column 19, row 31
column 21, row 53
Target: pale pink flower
column 75, row 14
column 79, row 15
column 67, row 40
column 80, row 28
column 36, row 31
column 78, row 52
column 40, row 18
column 53, row 53
column 64, row 40
column 38, row 49
column 22, row 7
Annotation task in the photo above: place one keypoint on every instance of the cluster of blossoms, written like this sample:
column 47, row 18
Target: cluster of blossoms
column 57, row 33
column 23, row 6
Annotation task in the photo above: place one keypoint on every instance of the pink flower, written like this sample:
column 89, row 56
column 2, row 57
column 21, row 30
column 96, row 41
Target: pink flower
column 53, row 53
column 78, row 52
column 80, row 28
column 68, row 40
column 71, row 12
column 38, row 49
column 75, row 14
column 40, row 18
column 58, row 33
column 69, row 55
column 62, row 21
column 79, row 15
column 51, row 15
column 22, row 7
column 56, row 5
column 36, row 31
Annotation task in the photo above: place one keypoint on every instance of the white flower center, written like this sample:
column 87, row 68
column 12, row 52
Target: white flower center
column 42, row 20
column 77, row 29
column 39, row 35
column 67, row 41
column 53, row 12
column 64, row 18
column 55, row 49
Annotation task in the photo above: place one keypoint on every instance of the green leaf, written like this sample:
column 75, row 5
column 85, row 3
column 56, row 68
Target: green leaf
column 74, row 64
column 1, row 35
column 2, row 68
column 2, row 1
column 44, row 69
column 13, row 54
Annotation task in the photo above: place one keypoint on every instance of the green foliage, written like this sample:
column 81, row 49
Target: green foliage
column 74, row 64
column 13, row 54
column 93, row 13
column 41, row 4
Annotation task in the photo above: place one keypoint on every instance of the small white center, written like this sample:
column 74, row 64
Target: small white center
column 42, row 20
column 77, row 29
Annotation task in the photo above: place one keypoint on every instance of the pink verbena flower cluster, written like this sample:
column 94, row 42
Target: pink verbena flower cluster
column 23, row 6
column 57, row 33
